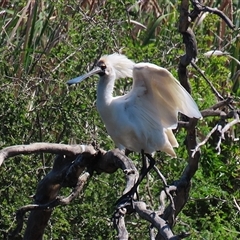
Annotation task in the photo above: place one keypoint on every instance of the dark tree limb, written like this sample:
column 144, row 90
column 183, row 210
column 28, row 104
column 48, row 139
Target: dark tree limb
column 191, row 53
column 67, row 171
column 212, row 111
column 157, row 222
column 119, row 223
column 198, row 8
column 184, row 183
column 44, row 147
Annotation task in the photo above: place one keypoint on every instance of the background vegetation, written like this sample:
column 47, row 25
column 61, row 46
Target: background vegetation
column 45, row 43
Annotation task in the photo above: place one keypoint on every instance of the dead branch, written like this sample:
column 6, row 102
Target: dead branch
column 217, row 94
column 183, row 184
column 221, row 127
column 222, row 103
column 164, row 230
column 44, row 147
column 68, row 171
column 236, row 204
column 230, row 124
column 198, row 7
column 197, row 148
column 119, row 223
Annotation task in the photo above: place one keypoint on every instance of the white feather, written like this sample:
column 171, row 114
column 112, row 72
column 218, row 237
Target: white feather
column 123, row 66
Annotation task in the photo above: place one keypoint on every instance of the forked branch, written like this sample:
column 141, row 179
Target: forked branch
column 221, row 128
column 72, row 170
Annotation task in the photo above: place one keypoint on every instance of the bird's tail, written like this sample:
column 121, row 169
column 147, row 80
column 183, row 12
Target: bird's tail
column 171, row 142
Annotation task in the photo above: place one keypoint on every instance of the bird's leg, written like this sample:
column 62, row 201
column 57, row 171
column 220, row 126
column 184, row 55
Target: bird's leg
column 128, row 197
column 145, row 169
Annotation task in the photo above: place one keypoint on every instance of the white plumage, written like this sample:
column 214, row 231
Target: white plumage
column 142, row 119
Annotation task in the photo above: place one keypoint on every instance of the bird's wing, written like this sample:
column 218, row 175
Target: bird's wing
column 159, row 92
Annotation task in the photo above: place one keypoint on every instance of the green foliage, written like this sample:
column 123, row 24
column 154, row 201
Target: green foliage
column 43, row 44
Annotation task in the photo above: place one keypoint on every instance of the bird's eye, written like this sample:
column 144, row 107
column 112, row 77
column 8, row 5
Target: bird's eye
column 103, row 67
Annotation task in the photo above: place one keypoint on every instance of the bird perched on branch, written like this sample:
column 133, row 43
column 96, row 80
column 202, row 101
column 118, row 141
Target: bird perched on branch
column 141, row 120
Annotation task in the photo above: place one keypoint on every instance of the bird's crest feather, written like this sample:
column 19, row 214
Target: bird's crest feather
column 123, row 66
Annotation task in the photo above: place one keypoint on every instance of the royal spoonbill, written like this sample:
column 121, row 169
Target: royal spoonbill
column 141, row 120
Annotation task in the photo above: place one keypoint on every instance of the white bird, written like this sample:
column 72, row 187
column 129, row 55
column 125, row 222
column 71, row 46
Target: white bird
column 141, row 120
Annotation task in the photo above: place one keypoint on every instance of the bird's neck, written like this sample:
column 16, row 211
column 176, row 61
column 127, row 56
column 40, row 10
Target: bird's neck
column 104, row 92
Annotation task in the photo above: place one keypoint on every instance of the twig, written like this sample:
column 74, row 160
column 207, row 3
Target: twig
column 218, row 147
column 222, row 132
column 221, row 128
column 236, row 204
column 222, row 103
column 161, row 176
column 65, row 59
column 197, row 148
column 219, row 96
column 166, row 192
column 229, row 125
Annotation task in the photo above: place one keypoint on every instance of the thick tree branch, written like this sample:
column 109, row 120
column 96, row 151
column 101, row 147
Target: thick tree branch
column 66, row 172
column 119, row 223
column 44, row 147
column 184, row 183
column 164, row 230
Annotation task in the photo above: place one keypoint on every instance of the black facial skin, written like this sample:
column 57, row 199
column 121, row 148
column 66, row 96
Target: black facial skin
column 102, row 65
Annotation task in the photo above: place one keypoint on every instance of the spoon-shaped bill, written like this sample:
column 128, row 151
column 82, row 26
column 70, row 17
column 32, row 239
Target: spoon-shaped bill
column 84, row 76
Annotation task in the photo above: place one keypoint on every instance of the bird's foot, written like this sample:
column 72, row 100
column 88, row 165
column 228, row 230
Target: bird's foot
column 127, row 199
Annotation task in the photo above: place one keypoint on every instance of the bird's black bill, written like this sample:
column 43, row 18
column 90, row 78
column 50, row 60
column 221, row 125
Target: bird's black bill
column 87, row 75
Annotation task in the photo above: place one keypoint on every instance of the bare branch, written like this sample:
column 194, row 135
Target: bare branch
column 166, row 192
column 66, row 172
column 236, row 204
column 44, row 147
column 222, row 103
column 217, row 94
column 212, row 113
column 197, row 148
column 160, row 224
column 82, row 180
column 229, row 125
column 198, row 7
column 221, row 127
column 119, row 223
